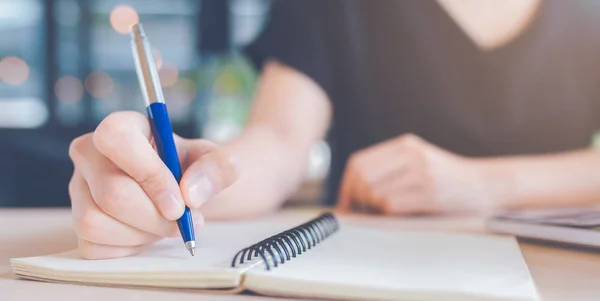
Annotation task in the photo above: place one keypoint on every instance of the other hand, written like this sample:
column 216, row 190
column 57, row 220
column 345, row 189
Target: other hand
column 123, row 196
column 407, row 175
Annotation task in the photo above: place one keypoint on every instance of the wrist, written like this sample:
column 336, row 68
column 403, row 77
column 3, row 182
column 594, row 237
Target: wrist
column 494, row 182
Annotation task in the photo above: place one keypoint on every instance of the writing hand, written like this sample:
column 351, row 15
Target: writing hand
column 123, row 196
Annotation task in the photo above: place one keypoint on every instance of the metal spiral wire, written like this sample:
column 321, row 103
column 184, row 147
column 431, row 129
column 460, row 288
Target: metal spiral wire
column 286, row 245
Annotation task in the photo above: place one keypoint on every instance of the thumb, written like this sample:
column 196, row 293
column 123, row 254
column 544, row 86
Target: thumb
column 207, row 176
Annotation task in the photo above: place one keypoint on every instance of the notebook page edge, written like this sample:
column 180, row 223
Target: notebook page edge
column 207, row 278
column 285, row 287
column 224, row 291
column 41, row 268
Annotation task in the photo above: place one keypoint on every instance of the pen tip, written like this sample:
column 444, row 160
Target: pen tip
column 191, row 247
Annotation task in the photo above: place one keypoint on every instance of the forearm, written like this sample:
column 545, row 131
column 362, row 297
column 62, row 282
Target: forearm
column 271, row 171
column 290, row 113
column 571, row 178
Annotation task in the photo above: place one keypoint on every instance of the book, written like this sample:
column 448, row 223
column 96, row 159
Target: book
column 322, row 258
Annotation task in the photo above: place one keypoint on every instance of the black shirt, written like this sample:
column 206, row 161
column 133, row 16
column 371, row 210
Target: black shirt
column 392, row 67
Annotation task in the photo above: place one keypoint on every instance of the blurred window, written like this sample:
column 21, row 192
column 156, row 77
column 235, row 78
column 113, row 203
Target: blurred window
column 68, row 62
column 94, row 56
column 21, row 65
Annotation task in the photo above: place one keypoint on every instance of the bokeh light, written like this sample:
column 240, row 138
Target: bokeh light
column 122, row 17
column 227, row 83
column 68, row 89
column 184, row 91
column 168, row 74
column 99, row 84
column 13, row 70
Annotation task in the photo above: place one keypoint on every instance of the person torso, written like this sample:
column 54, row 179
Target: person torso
column 406, row 67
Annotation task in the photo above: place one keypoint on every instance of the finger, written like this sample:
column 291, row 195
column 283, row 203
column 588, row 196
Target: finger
column 403, row 203
column 387, row 167
column 198, row 224
column 118, row 195
column 344, row 203
column 208, row 176
column 193, row 150
column 90, row 250
column 391, row 158
column 93, row 225
column 355, row 193
column 362, row 193
column 123, row 138
column 411, row 181
column 122, row 198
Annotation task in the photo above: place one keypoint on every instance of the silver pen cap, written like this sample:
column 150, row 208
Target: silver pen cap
column 145, row 67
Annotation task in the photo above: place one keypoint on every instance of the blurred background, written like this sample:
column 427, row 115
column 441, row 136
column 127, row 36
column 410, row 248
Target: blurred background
column 66, row 64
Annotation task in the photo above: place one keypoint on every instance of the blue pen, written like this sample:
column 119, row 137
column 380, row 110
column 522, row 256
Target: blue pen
column 159, row 120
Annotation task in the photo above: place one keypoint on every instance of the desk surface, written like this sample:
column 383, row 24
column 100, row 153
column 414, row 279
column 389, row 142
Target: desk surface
column 560, row 273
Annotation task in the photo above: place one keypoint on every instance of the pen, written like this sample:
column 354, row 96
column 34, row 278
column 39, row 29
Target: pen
column 159, row 121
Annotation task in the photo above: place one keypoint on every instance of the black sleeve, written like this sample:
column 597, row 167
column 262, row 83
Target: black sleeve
column 295, row 35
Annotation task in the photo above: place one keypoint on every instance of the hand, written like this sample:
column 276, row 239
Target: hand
column 408, row 175
column 123, row 196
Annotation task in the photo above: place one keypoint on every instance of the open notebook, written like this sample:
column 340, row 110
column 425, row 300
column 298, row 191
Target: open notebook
column 343, row 262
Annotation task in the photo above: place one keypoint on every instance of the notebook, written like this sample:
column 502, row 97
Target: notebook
column 322, row 258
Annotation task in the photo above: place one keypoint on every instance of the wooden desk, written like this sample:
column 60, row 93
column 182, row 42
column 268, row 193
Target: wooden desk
column 560, row 274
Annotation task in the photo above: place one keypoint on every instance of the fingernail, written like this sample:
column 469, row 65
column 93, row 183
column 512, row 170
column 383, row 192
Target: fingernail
column 201, row 189
column 169, row 205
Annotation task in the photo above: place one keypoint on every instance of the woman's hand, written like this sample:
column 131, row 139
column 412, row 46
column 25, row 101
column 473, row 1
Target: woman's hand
column 124, row 197
column 407, row 175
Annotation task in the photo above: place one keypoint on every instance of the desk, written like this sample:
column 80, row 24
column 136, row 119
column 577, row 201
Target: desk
column 560, row 274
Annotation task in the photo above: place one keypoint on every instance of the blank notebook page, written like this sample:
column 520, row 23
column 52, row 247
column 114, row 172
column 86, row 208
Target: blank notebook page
column 376, row 264
column 165, row 264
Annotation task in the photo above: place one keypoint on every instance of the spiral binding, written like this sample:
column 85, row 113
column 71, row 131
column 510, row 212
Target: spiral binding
column 295, row 241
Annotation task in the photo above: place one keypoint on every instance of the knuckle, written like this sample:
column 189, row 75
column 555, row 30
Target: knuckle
column 112, row 129
column 88, row 225
column 154, row 178
column 410, row 139
column 72, row 187
column 355, row 161
column 409, row 136
column 77, row 146
column 112, row 198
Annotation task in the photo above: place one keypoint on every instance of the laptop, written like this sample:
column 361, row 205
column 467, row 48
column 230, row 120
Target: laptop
column 572, row 225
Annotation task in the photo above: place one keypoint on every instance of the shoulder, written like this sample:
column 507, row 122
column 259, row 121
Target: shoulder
column 582, row 16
